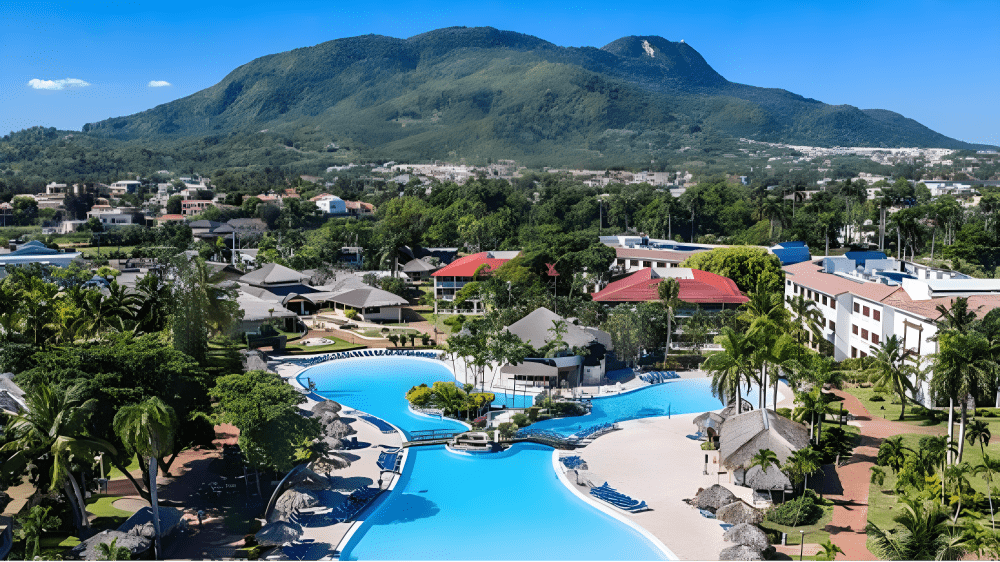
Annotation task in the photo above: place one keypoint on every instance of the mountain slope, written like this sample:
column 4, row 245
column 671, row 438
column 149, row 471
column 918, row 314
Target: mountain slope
column 482, row 92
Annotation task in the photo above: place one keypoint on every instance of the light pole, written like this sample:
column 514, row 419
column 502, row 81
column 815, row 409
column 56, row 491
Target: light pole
column 802, row 543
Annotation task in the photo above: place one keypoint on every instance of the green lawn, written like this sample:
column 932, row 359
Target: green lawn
column 813, row 533
column 107, row 516
column 890, row 410
column 338, row 345
column 91, row 251
column 113, row 473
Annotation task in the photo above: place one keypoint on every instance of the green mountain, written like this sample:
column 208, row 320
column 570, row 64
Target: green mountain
column 483, row 93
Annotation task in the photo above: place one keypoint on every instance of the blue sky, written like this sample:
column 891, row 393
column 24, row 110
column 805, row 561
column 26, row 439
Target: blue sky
column 934, row 61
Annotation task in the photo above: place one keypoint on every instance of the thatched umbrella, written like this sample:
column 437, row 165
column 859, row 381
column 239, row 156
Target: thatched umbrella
column 714, row 497
column 747, row 535
column 306, row 479
column 326, row 406
column 740, row 552
column 278, row 533
column 330, row 463
column 739, row 512
column 291, row 500
column 772, row 479
column 338, row 429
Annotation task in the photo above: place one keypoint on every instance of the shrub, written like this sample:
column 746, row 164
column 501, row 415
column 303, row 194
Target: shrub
column 802, row 510
column 351, row 314
column 708, row 446
column 533, row 413
column 507, row 430
column 878, row 398
column 521, row 420
column 785, row 412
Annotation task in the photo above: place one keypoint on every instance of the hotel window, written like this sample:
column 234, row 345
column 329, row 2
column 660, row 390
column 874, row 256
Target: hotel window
column 854, row 329
column 876, row 314
column 874, row 338
column 863, row 354
column 661, row 264
column 857, row 307
column 864, row 334
column 867, row 311
column 833, row 326
column 647, row 264
column 854, row 352
column 833, row 304
column 635, row 263
column 825, row 303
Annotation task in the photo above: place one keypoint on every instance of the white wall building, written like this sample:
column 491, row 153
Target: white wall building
column 332, row 205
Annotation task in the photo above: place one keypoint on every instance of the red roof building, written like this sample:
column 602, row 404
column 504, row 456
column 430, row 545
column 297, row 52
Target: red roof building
column 451, row 278
column 696, row 286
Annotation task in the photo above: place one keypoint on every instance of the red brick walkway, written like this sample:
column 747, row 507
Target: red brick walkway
column 850, row 515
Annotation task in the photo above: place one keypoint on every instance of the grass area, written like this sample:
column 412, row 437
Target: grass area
column 889, row 409
column 59, row 542
column 813, row 533
column 91, row 251
column 114, row 473
column 882, row 500
column 338, row 345
column 72, row 239
column 377, row 333
column 107, row 515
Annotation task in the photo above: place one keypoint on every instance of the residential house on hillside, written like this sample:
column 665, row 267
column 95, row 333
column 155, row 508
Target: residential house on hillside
column 123, row 187
column 195, row 206
column 360, row 208
column 633, row 253
column 419, row 270
column 111, row 217
column 449, row 280
column 331, row 205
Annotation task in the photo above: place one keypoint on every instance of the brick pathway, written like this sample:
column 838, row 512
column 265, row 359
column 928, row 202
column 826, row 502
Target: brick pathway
column 850, row 514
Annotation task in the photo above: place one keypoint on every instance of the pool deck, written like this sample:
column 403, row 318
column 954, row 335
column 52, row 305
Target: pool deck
column 664, row 468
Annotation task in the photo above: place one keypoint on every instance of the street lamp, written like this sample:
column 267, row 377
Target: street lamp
column 802, row 543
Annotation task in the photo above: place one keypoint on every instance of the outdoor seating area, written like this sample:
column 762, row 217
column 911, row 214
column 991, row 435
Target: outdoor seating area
column 317, row 359
column 379, row 424
column 390, row 460
column 573, row 462
column 617, row 499
column 595, row 431
column 657, row 377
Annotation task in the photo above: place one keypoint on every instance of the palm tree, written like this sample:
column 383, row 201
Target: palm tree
column 732, row 366
column 978, row 430
column 962, row 367
column 52, row 431
column 783, row 357
column 957, row 474
column 938, row 451
column 829, row 551
column 38, row 310
column 764, row 458
column 890, row 369
column 958, row 317
column 988, row 466
column 892, row 453
column 920, row 536
column 668, row 291
column 767, row 318
column 806, row 318
column 813, row 404
column 800, row 464
column 111, row 551
column 148, row 429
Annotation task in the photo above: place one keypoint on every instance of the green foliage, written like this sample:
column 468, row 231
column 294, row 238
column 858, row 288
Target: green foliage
column 803, row 510
column 745, row 266
column 520, row 420
column 32, row 524
column 507, row 429
column 351, row 314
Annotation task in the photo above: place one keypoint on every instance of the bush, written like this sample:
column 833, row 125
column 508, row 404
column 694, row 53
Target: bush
column 785, row 412
column 690, row 361
column 802, row 510
column 708, row 446
column 507, row 430
column 521, row 420
column 877, row 398
column 351, row 314
column 532, row 413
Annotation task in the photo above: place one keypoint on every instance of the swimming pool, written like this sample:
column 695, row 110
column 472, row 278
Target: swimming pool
column 682, row 396
column 378, row 386
column 498, row 506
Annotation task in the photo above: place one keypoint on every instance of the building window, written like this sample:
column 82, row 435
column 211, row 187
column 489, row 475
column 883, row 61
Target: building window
column 661, row 264
column 854, row 329
column 825, row 301
column 854, row 351
column 867, row 311
column 874, row 338
column 647, row 264
column 864, row 334
column 857, row 307
column 876, row 314
column 833, row 304
column 833, row 326
column 863, row 354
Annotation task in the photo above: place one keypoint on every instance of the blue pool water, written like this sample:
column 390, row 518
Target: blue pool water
column 378, row 386
column 682, row 396
column 499, row 506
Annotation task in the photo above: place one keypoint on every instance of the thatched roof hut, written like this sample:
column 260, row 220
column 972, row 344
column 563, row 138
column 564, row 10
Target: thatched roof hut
column 744, row 435
column 337, row 429
column 747, row 535
column 730, row 410
column 306, row 479
column 714, row 497
column 278, row 533
column 88, row 549
column 330, row 463
column 709, row 420
column 739, row 512
column 772, row 480
column 740, row 552
column 141, row 522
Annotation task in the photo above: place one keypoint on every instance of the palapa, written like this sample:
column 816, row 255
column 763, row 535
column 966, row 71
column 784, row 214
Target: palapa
column 740, row 552
column 329, row 463
column 773, row 479
column 747, row 535
column 305, row 479
column 278, row 533
column 291, row 500
column 326, row 406
column 739, row 512
column 338, row 429
column 714, row 497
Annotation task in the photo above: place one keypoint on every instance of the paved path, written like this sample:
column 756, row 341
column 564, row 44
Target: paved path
column 850, row 514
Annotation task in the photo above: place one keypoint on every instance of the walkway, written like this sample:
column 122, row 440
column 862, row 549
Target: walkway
column 850, row 514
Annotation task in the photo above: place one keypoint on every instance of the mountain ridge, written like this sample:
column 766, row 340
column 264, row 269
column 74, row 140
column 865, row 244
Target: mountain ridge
column 487, row 92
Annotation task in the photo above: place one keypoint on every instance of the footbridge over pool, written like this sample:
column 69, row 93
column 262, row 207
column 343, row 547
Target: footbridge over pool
column 445, row 436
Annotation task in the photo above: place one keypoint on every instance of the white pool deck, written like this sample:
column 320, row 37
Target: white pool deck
column 650, row 459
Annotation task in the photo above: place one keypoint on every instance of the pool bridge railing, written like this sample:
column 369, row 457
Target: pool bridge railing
column 430, row 437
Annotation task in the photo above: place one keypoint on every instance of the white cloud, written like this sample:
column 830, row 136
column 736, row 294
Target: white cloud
column 63, row 84
column 158, row 83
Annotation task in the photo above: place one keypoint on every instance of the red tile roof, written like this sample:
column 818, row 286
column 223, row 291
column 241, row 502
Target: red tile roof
column 704, row 287
column 467, row 266
column 171, row 217
column 980, row 304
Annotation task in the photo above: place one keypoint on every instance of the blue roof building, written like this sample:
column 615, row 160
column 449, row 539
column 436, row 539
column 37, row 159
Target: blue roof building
column 36, row 252
column 791, row 252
